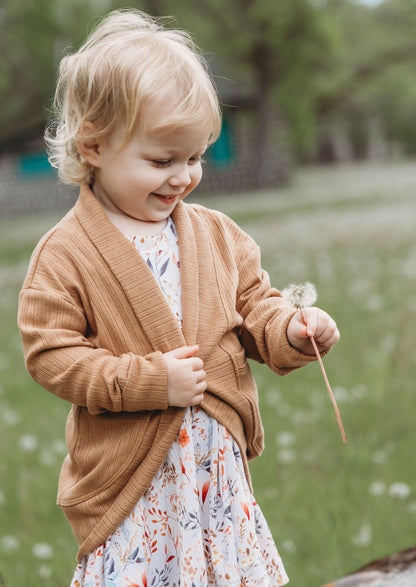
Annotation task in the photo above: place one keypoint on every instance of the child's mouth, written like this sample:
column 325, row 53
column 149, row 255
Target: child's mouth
column 165, row 199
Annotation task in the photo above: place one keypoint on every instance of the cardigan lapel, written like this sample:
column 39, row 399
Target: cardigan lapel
column 189, row 272
column 131, row 271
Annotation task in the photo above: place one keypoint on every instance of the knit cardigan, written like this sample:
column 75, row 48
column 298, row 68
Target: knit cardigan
column 94, row 325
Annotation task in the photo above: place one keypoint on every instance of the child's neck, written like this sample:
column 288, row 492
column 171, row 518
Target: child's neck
column 131, row 226
column 128, row 225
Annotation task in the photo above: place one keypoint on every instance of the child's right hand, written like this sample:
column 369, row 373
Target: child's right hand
column 186, row 377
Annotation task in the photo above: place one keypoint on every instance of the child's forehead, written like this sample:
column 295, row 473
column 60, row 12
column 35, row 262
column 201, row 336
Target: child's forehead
column 181, row 136
column 163, row 125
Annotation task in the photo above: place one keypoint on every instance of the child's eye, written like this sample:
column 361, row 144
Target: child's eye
column 196, row 159
column 161, row 162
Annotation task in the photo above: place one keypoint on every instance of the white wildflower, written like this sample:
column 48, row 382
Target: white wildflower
column 364, row 536
column 359, row 391
column 288, row 545
column 377, row 488
column 273, row 397
column 9, row 543
column 285, row 438
column 59, row 446
column 28, row 443
column 286, row 455
column 341, row 393
column 47, row 458
column 9, row 417
column 300, row 296
column 380, row 456
column 44, row 572
column 400, row 490
column 42, row 550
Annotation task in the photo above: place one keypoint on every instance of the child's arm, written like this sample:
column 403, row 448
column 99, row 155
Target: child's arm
column 316, row 323
column 265, row 333
column 61, row 358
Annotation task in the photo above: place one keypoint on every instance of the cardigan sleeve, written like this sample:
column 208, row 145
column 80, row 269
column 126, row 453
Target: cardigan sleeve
column 265, row 314
column 63, row 359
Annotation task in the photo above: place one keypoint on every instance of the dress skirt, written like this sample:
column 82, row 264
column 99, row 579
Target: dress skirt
column 197, row 524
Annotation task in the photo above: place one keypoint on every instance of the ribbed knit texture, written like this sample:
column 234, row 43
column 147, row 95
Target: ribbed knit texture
column 94, row 325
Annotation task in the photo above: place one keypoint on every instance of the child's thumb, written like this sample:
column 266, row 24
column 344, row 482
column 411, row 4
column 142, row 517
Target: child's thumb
column 185, row 352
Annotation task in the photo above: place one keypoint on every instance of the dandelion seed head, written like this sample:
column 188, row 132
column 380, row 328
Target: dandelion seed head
column 286, row 455
column 400, row 490
column 47, row 458
column 42, row 550
column 377, row 488
column 285, row 438
column 364, row 536
column 288, row 545
column 44, row 572
column 9, row 543
column 28, row 443
column 9, row 417
column 300, row 296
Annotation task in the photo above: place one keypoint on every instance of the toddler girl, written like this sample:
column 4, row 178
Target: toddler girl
column 141, row 311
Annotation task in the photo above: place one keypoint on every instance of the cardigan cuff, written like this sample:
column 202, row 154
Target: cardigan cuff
column 146, row 384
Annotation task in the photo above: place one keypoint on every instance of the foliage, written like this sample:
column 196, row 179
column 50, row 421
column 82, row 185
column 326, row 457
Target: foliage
column 307, row 63
column 33, row 36
column 279, row 50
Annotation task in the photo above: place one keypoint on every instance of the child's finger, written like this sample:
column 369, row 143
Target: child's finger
column 184, row 352
column 200, row 375
column 330, row 335
column 310, row 319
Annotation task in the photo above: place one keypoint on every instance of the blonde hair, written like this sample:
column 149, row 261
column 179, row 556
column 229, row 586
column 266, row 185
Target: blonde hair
column 129, row 62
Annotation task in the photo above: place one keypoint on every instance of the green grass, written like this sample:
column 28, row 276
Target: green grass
column 331, row 507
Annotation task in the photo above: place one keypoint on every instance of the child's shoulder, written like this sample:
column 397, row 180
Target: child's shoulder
column 212, row 217
column 55, row 246
column 60, row 232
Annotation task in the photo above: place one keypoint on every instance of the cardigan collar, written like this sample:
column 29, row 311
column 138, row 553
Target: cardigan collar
column 136, row 279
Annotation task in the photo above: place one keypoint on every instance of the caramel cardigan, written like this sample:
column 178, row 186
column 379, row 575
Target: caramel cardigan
column 94, row 325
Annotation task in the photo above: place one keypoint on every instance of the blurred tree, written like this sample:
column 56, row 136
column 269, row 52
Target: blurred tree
column 276, row 54
column 33, row 36
column 27, row 33
column 375, row 75
column 295, row 62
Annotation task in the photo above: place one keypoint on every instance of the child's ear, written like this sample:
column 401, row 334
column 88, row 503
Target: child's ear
column 89, row 148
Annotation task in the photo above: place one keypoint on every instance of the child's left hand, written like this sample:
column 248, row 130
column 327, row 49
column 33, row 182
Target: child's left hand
column 312, row 322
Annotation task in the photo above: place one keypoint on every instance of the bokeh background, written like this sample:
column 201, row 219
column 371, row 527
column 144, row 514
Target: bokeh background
column 317, row 161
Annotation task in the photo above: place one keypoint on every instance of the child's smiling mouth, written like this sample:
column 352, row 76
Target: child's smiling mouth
column 165, row 199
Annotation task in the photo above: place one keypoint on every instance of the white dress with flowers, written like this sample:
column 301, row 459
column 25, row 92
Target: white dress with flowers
column 197, row 524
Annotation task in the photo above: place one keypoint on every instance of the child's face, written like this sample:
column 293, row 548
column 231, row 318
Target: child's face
column 150, row 174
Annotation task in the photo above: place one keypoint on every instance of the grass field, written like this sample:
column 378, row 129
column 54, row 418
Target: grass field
column 332, row 507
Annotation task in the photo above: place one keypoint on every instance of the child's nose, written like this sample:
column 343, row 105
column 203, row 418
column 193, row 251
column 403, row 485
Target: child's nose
column 181, row 177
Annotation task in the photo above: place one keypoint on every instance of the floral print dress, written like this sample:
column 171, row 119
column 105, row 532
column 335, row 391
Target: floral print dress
column 198, row 523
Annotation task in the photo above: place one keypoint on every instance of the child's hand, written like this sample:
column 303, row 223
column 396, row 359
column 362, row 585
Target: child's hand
column 186, row 377
column 312, row 322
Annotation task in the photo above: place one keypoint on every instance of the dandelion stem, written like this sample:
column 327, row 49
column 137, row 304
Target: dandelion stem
column 331, row 394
